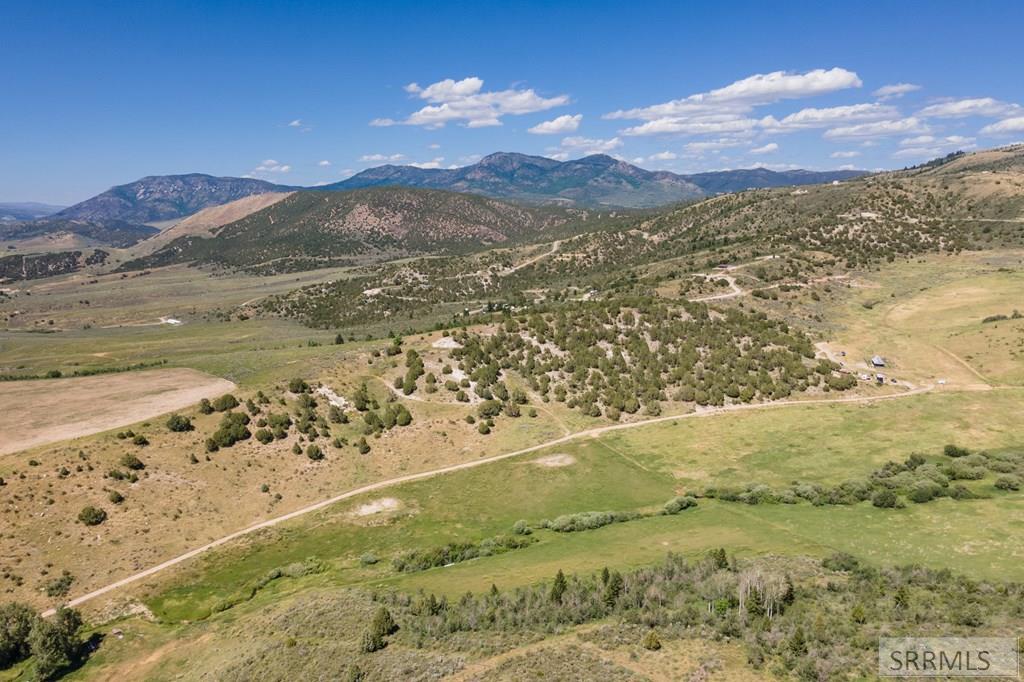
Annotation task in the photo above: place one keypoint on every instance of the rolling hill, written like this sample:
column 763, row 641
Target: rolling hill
column 315, row 229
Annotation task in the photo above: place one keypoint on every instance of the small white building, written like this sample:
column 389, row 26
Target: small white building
column 878, row 361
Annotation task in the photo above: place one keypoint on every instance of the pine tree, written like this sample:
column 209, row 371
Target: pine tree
column 558, row 587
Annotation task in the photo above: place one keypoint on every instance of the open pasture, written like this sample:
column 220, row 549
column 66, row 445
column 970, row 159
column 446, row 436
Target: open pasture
column 46, row 411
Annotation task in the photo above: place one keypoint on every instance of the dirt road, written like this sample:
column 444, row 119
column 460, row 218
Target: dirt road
column 588, row 433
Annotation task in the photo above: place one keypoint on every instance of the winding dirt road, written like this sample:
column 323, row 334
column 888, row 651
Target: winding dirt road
column 380, row 485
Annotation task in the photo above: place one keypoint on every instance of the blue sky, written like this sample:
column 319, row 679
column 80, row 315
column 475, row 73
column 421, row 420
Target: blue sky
column 101, row 93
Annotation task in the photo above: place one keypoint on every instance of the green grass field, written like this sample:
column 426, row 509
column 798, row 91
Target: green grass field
column 815, row 443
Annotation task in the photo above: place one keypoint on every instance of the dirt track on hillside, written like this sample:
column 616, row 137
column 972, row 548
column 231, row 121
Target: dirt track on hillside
column 379, row 485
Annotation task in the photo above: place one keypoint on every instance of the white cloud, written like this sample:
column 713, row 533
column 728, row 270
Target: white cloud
column 559, row 156
column 661, row 156
column 766, row 149
column 895, row 90
column 562, row 124
column 923, row 140
column 1010, row 125
column 663, row 126
column 433, row 163
column 847, row 166
column 749, row 92
column 433, row 146
column 902, row 126
column 464, row 101
column 844, row 155
column 727, row 109
column 697, row 149
column 961, row 108
column 779, row 166
column 929, row 146
column 822, row 118
column 324, row 163
column 297, row 123
column 378, row 158
column 270, row 166
column 587, row 146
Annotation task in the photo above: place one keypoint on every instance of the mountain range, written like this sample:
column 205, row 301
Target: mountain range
column 126, row 214
column 26, row 210
column 594, row 181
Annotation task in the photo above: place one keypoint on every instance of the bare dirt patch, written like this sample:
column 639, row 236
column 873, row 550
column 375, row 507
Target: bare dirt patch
column 51, row 410
column 384, row 504
column 205, row 222
column 446, row 342
column 557, row 460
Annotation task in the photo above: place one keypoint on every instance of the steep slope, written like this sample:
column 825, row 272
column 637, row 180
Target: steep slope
column 597, row 180
column 120, row 216
column 206, row 221
column 316, row 229
column 164, row 197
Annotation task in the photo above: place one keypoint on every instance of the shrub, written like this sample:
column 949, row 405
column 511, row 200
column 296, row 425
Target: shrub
column 841, row 561
column 678, row 504
column 924, row 491
column 571, row 523
column 179, row 423
column 132, row 462
column 489, row 408
column 363, row 446
column 1008, row 483
column 368, row 559
column 314, row 452
column 298, row 385
column 91, row 516
column 954, row 451
column 224, row 403
column 651, row 641
column 264, row 435
column 371, row 642
column 231, row 430
column 115, row 497
column 58, row 587
column 520, row 527
column 452, row 553
column 885, row 499
column 140, row 440
column 205, row 407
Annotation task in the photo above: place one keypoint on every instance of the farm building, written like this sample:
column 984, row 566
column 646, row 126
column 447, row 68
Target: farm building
column 878, row 361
